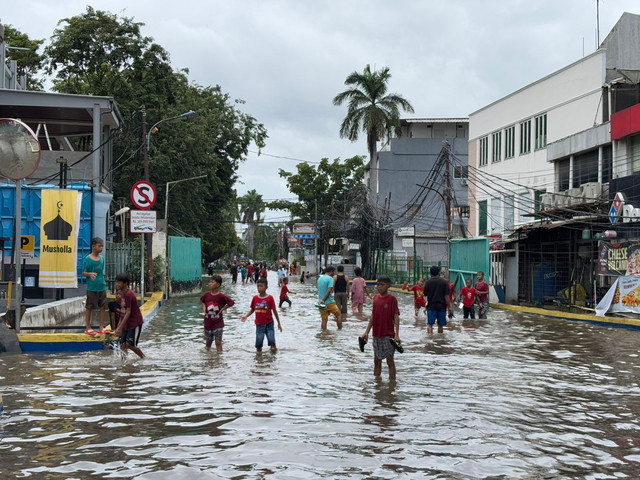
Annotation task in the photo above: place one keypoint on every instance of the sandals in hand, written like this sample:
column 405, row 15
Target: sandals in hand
column 396, row 345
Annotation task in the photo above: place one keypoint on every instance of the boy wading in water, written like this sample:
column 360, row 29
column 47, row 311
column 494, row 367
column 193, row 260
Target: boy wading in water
column 93, row 269
column 385, row 320
column 130, row 326
column 265, row 308
column 213, row 304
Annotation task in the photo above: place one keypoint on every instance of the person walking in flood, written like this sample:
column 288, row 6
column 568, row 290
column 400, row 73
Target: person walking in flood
column 214, row 303
column 93, row 269
column 284, row 292
column 341, row 290
column 468, row 298
column 358, row 291
column 385, row 321
column 436, row 289
column 482, row 294
column 418, row 296
column 130, row 326
column 264, row 307
column 326, row 303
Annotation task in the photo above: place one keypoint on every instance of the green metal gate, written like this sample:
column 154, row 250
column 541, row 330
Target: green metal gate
column 468, row 257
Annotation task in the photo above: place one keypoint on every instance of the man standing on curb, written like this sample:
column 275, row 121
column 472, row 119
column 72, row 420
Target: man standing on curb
column 326, row 303
column 436, row 291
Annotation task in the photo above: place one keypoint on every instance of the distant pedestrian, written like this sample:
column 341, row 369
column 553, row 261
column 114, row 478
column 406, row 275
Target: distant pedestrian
column 93, row 269
column 436, row 289
column 418, row 297
column 341, row 290
column 234, row 272
column 385, row 321
column 213, row 304
column 243, row 273
column 482, row 294
column 358, row 291
column 326, row 302
column 284, row 293
column 250, row 273
column 264, row 307
column 468, row 298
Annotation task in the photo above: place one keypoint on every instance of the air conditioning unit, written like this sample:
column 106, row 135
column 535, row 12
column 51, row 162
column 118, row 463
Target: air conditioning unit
column 574, row 196
column 464, row 182
column 547, row 201
column 592, row 191
column 562, row 200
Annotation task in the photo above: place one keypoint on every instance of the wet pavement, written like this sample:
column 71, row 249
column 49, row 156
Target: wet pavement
column 512, row 397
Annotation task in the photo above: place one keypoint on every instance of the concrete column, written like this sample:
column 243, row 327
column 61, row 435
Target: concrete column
column 571, row 184
column 600, row 164
column 97, row 140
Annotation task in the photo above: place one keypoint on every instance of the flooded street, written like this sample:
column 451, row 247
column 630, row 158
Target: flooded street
column 509, row 397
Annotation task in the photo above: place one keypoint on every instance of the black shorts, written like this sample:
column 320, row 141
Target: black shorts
column 131, row 336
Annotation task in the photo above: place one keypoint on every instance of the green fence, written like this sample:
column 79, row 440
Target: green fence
column 398, row 267
column 185, row 264
column 468, row 257
column 121, row 258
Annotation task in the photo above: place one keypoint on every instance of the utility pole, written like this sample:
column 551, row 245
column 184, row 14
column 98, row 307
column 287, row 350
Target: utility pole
column 447, row 199
column 145, row 167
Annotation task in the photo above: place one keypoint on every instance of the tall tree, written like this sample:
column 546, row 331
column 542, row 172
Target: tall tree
column 100, row 53
column 251, row 207
column 24, row 51
column 370, row 108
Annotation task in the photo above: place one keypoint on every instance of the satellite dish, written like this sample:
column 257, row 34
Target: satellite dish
column 19, row 149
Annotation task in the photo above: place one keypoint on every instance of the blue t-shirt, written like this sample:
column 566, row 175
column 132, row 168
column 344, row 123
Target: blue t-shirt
column 325, row 282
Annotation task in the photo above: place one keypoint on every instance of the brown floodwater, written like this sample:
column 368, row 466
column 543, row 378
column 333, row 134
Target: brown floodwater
column 511, row 397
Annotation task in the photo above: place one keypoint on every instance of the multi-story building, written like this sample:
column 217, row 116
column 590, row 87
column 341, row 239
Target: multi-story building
column 420, row 186
column 540, row 163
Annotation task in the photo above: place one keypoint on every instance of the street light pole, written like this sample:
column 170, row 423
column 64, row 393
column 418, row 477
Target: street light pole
column 166, row 220
column 145, row 157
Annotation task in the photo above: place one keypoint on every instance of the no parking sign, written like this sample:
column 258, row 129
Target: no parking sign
column 143, row 195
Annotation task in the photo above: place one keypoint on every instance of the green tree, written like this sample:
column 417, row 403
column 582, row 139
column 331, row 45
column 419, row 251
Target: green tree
column 100, row 53
column 250, row 208
column 266, row 239
column 370, row 108
column 333, row 189
column 24, row 51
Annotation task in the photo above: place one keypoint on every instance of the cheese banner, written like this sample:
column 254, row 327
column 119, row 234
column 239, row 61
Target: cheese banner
column 619, row 258
column 59, row 227
column 623, row 296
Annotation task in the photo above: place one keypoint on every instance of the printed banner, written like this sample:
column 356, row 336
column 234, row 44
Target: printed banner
column 619, row 259
column 623, row 296
column 59, row 227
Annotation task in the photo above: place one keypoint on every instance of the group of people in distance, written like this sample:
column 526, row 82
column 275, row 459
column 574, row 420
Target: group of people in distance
column 437, row 296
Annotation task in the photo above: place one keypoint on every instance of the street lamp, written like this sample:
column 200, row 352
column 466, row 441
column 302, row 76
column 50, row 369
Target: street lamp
column 145, row 165
column 166, row 219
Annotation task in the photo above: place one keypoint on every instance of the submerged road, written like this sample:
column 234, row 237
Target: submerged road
column 512, row 397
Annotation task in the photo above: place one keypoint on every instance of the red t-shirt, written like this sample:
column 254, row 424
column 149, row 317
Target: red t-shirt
column 452, row 292
column 384, row 310
column 131, row 303
column 468, row 296
column 214, row 302
column 484, row 286
column 263, row 273
column 263, row 308
column 283, row 292
column 418, row 295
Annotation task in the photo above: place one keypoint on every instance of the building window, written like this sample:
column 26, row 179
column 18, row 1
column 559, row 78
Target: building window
column 496, row 216
column 525, row 137
column 607, row 161
column 482, row 217
column 541, row 131
column 537, row 200
column 510, row 141
column 562, row 174
column 585, row 168
column 414, row 211
column 484, row 151
column 464, row 211
column 461, row 171
column 496, row 152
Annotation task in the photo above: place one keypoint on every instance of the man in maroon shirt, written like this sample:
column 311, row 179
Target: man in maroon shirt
column 130, row 326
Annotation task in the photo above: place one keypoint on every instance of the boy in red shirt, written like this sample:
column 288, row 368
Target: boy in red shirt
column 385, row 320
column 418, row 296
column 468, row 298
column 265, row 307
column 130, row 327
column 482, row 294
column 213, row 304
column 284, row 292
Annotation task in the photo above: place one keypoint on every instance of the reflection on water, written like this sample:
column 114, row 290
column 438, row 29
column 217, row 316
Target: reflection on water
column 513, row 396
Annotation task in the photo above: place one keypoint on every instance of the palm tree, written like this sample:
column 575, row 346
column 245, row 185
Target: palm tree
column 370, row 108
column 251, row 206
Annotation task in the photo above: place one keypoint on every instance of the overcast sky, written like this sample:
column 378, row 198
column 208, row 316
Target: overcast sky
column 287, row 59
